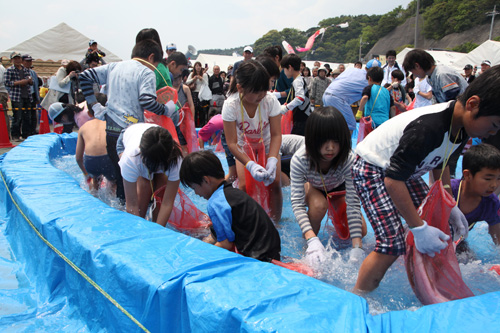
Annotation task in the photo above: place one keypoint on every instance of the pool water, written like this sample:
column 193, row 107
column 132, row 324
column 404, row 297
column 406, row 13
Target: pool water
column 394, row 292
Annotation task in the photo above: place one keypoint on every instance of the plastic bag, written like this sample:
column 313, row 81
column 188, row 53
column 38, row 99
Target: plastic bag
column 295, row 266
column 437, row 279
column 184, row 214
column 365, row 127
column 337, row 213
column 287, row 122
column 186, row 124
column 257, row 190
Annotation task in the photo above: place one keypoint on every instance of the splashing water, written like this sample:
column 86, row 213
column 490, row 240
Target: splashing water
column 394, row 292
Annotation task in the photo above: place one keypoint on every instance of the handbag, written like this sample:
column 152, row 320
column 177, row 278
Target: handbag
column 366, row 123
column 205, row 93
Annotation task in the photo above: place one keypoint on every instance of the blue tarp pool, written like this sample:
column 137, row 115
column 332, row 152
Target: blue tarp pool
column 99, row 269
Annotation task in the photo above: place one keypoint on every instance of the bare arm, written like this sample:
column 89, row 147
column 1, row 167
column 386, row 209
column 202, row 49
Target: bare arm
column 187, row 91
column 399, row 194
column 232, row 142
column 80, row 149
column 275, row 128
column 225, row 244
column 362, row 103
column 426, row 95
column 168, row 202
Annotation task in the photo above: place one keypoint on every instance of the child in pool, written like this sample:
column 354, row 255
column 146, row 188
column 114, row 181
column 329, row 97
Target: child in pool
column 239, row 222
column 392, row 159
column 149, row 159
column 475, row 192
column 252, row 113
column 322, row 166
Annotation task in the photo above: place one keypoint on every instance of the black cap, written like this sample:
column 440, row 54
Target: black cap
column 468, row 66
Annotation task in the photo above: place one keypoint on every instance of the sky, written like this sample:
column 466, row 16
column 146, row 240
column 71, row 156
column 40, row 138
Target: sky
column 203, row 24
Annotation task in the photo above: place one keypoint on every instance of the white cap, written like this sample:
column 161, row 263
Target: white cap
column 248, row 48
column 171, row 46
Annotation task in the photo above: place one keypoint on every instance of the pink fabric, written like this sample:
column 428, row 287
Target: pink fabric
column 215, row 124
column 83, row 116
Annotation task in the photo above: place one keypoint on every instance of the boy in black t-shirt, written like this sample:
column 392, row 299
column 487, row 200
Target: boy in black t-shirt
column 239, row 222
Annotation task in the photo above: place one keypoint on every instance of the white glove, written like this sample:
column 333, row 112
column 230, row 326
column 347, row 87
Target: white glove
column 429, row 240
column 284, row 109
column 458, row 223
column 271, row 170
column 257, row 171
column 277, row 94
column 356, row 254
column 99, row 111
column 171, row 112
column 315, row 253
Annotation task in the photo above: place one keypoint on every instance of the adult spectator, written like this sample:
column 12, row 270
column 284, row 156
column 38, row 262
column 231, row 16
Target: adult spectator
column 485, row 65
column 446, row 83
column 247, row 55
column 315, row 71
column 171, row 48
column 468, row 76
column 390, row 66
column 216, row 85
column 341, row 68
column 92, row 61
column 318, row 87
column 198, row 79
column 34, row 91
column 358, row 64
column 4, row 96
column 306, row 73
column 18, row 83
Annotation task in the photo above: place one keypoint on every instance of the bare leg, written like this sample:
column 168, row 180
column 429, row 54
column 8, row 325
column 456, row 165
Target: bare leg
column 372, row 271
column 318, row 206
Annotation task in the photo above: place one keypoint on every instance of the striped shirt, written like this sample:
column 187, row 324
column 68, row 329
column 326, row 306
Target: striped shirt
column 300, row 173
column 131, row 90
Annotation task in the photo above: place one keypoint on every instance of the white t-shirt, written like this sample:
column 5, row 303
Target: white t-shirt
column 131, row 162
column 424, row 86
column 269, row 107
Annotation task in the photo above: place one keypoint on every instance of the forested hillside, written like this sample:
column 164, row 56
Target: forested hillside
column 439, row 18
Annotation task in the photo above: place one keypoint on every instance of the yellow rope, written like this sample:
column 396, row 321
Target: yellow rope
column 69, row 262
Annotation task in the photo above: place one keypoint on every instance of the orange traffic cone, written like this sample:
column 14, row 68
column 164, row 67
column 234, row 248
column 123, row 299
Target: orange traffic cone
column 44, row 123
column 58, row 128
column 4, row 134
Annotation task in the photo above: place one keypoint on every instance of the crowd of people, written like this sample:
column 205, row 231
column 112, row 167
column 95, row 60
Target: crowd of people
column 247, row 106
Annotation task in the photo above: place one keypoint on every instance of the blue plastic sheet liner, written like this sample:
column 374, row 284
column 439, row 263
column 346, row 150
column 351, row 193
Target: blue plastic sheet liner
column 170, row 282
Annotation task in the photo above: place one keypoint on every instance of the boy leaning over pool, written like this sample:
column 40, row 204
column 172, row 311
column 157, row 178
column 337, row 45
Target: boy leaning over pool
column 239, row 222
column 391, row 160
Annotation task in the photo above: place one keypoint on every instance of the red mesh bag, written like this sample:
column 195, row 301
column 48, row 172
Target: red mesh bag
column 257, row 190
column 186, row 124
column 163, row 121
column 184, row 214
column 295, row 266
column 166, row 94
column 437, row 279
column 411, row 106
column 337, row 213
column 287, row 122
column 365, row 127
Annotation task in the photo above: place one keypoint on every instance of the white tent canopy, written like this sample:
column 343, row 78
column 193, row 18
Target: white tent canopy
column 489, row 50
column 441, row 57
column 58, row 43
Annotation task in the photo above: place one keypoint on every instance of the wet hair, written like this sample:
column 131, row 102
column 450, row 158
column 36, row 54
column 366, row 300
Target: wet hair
column 485, row 86
column 148, row 33
column 145, row 48
column 397, row 74
column 291, row 60
column 69, row 111
column 252, row 76
column 274, row 51
column 418, row 56
column 178, row 57
column 481, row 156
column 269, row 64
column 390, row 53
column 158, row 149
column 199, row 164
column 325, row 124
column 73, row 66
column 375, row 73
